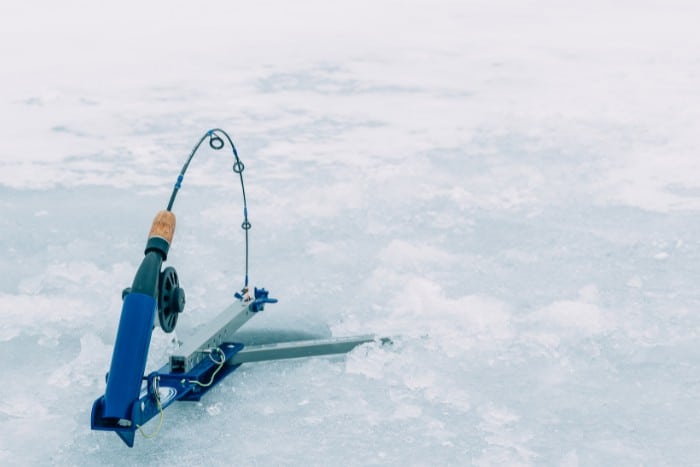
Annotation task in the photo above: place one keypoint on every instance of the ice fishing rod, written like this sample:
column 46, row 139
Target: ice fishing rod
column 171, row 297
column 217, row 143
column 131, row 397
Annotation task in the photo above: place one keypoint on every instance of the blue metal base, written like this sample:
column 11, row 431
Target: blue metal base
column 171, row 387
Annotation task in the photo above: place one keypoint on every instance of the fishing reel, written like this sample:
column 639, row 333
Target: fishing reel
column 170, row 300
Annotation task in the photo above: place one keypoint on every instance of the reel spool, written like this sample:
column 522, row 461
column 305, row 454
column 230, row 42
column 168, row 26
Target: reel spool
column 171, row 299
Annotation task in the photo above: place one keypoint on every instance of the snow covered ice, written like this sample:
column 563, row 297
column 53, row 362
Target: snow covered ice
column 508, row 189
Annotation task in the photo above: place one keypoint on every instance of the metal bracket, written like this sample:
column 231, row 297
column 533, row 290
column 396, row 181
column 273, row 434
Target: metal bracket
column 298, row 349
column 212, row 335
column 219, row 330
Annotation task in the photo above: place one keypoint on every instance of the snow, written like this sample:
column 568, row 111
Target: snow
column 508, row 189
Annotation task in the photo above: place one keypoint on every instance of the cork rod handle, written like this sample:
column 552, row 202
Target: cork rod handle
column 163, row 226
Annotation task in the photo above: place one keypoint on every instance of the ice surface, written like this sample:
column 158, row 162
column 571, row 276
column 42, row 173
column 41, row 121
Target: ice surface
column 508, row 189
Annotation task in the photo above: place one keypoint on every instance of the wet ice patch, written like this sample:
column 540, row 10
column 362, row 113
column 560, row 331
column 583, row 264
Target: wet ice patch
column 31, row 313
column 75, row 277
column 635, row 282
column 589, row 293
column 570, row 459
column 415, row 368
column 326, row 201
column 506, row 441
column 574, row 318
column 93, row 354
column 658, row 183
column 403, row 254
column 421, row 308
column 214, row 409
column 23, row 406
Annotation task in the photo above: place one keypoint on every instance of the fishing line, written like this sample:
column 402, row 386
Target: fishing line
column 216, row 142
